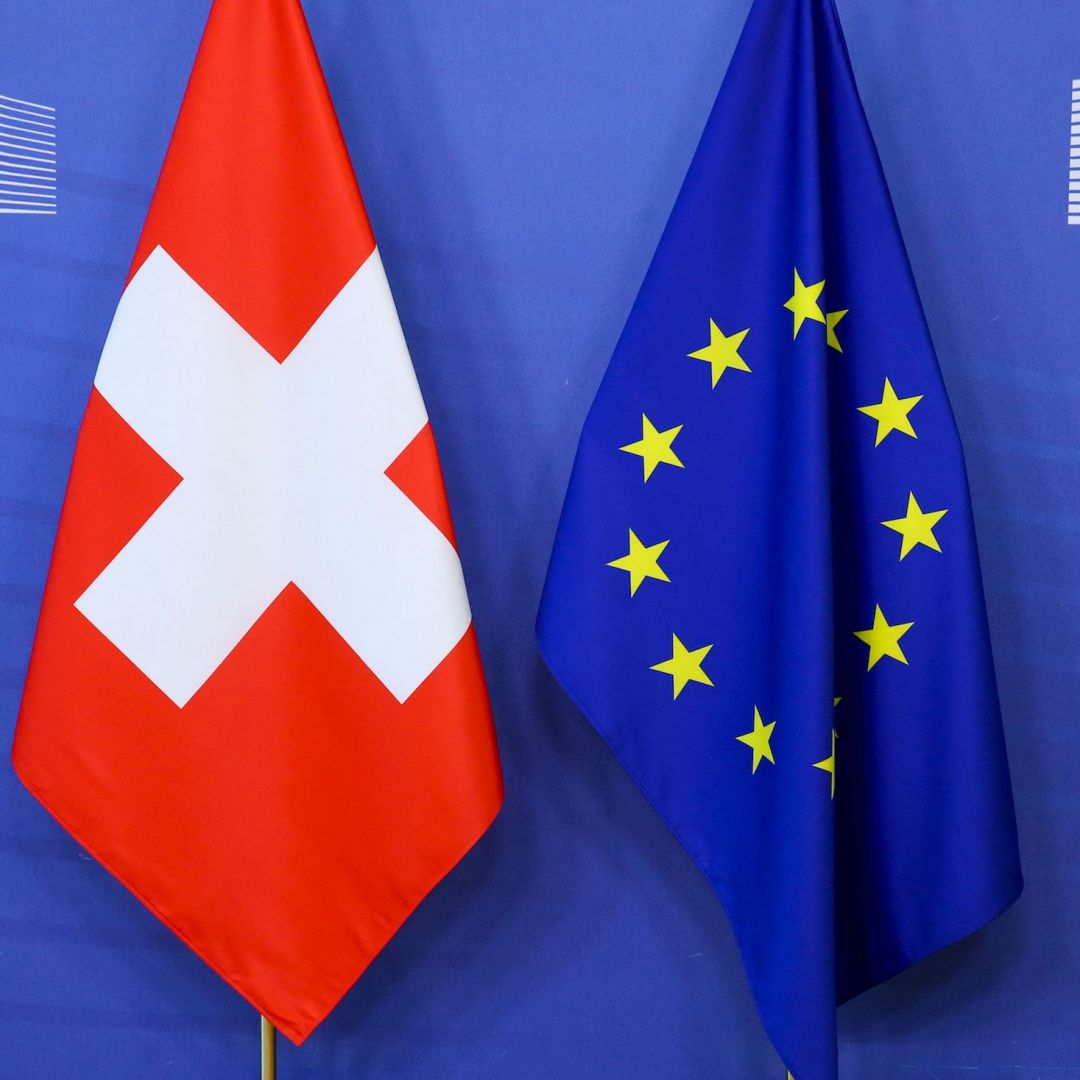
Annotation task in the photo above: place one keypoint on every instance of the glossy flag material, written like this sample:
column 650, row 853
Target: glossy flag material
column 255, row 693
column 764, row 591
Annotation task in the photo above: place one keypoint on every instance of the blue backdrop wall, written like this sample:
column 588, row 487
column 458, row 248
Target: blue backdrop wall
column 519, row 160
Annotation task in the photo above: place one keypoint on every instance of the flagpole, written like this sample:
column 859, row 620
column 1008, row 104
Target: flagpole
column 269, row 1050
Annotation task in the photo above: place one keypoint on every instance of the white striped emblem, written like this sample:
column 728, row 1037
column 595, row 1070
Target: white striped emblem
column 27, row 157
column 1074, row 156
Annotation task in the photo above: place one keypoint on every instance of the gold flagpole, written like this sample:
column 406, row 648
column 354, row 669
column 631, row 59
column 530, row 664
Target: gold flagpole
column 269, row 1050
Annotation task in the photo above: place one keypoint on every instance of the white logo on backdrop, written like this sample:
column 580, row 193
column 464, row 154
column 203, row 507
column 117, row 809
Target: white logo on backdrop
column 27, row 157
column 1074, row 157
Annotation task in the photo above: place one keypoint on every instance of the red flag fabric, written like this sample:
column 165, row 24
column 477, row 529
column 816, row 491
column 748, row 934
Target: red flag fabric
column 255, row 693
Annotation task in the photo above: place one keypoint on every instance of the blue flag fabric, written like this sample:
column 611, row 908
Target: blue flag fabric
column 764, row 591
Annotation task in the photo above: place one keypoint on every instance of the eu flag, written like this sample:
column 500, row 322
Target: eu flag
column 764, row 591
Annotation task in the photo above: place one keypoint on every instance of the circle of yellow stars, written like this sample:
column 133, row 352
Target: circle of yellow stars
column 892, row 414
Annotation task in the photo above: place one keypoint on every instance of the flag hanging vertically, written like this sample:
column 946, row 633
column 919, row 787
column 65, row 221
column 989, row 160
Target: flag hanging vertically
column 255, row 693
column 764, row 591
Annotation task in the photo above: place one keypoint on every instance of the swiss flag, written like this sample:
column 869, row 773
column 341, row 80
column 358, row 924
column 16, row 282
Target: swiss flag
column 255, row 693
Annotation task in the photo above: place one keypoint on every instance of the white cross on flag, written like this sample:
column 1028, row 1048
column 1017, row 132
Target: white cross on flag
column 255, row 693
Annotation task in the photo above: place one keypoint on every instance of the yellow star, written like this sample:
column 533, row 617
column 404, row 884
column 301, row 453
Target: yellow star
column 684, row 666
column 891, row 413
column 722, row 352
column 758, row 741
column 829, row 766
column 654, row 446
column 641, row 562
column 804, row 303
column 883, row 639
column 916, row 527
column 831, row 319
